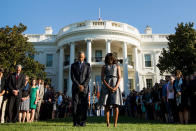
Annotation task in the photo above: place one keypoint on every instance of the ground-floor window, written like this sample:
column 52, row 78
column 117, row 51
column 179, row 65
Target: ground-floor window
column 149, row 83
column 130, row 84
column 65, row 85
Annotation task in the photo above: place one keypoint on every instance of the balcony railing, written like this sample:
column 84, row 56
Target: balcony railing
column 97, row 59
column 101, row 59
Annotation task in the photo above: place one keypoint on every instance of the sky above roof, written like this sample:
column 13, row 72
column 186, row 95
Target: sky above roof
column 161, row 15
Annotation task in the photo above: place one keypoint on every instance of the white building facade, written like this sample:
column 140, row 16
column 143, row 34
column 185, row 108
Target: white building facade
column 137, row 53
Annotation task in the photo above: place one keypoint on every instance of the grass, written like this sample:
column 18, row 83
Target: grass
column 96, row 124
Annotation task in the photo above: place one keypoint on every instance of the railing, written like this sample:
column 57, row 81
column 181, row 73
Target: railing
column 155, row 37
column 38, row 38
column 120, row 61
column 97, row 59
column 99, row 25
column 100, row 59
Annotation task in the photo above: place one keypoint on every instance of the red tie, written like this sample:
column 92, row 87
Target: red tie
column 16, row 77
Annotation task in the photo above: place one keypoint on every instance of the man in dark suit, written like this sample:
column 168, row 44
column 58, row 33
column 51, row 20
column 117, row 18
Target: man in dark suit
column 193, row 98
column 16, row 84
column 3, row 94
column 80, row 75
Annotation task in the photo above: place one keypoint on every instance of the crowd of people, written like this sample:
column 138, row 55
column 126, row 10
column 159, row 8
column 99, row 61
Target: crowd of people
column 172, row 100
column 24, row 99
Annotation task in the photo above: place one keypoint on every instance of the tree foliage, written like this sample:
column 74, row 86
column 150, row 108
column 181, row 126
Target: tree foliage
column 15, row 49
column 181, row 51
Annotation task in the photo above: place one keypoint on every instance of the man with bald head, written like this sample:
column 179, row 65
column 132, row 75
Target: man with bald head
column 80, row 75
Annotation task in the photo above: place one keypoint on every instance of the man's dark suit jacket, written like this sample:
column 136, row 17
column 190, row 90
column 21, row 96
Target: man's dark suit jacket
column 80, row 76
column 18, row 84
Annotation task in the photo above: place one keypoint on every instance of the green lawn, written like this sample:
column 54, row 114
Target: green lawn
column 97, row 124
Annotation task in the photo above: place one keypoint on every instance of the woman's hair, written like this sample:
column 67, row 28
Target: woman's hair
column 178, row 72
column 110, row 57
column 33, row 80
column 26, row 77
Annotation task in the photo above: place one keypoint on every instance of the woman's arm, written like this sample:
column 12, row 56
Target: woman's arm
column 2, row 93
column 119, row 78
column 102, row 78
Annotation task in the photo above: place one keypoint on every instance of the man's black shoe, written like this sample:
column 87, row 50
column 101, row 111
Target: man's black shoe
column 83, row 124
column 76, row 125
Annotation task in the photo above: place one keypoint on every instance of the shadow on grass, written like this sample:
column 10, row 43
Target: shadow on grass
column 122, row 119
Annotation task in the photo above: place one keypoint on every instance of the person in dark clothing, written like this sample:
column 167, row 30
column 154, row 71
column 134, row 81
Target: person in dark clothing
column 80, row 76
column 16, row 85
column 2, row 92
column 180, row 92
column 193, row 98
column 25, row 100
column 48, row 105
column 2, row 86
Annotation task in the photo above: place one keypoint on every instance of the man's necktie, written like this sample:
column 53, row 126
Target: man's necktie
column 16, row 76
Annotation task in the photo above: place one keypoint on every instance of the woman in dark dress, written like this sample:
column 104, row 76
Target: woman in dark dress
column 180, row 90
column 111, row 95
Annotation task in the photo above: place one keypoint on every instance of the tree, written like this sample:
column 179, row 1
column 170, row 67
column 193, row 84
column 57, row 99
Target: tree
column 181, row 51
column 15, row 49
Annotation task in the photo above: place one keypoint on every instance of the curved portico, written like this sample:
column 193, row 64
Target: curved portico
column 98, row 38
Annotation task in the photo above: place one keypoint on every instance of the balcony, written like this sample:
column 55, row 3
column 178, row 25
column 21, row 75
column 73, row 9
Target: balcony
column 97, row 59
column 93, row 24
column 100, row 61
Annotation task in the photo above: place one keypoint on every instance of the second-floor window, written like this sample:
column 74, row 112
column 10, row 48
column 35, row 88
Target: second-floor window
column 98, row 55
column 49, row 60
column 129, row 58
column 148, row 62
column 67, row 59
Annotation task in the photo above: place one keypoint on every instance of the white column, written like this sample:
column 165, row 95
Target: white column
column 108, row 46
column 89, row 51
column 72, row 57
column 125, row 69
column 156, row 69
column 136, row 69
column 89, row 58
column 60, row 71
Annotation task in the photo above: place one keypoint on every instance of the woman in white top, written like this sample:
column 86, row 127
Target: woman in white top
column 170, row 98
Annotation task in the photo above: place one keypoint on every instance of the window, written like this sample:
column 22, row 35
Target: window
column 149, row 83
column 98, row 55
column 49, row 60
column 130, row 84
column 148, row 60
column 67, row 59
column 65, row 85
column 129, row 58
